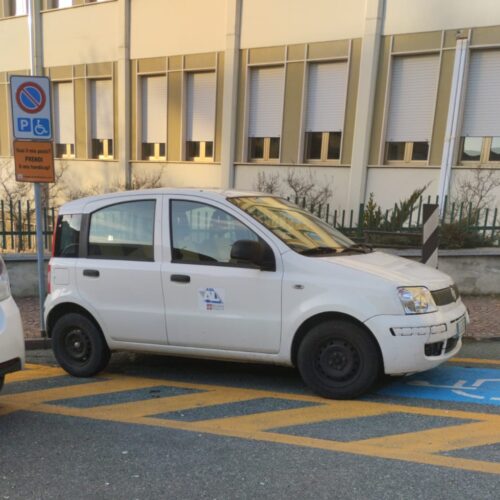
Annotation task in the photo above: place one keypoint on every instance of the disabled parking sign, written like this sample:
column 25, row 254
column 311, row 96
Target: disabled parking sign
column 31, row 107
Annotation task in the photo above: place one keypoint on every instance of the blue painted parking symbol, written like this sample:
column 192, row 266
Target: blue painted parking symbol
column 450, row 383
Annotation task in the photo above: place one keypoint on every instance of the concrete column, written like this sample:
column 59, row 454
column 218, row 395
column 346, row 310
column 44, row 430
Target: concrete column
column 123, row 76
column 229, row 104
column 365, row 101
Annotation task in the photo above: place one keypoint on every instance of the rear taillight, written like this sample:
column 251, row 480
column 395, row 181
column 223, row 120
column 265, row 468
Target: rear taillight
column 49, row 287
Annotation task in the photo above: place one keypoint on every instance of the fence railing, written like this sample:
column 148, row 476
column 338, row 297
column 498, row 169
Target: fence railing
column 18, row 226
column 461, row 223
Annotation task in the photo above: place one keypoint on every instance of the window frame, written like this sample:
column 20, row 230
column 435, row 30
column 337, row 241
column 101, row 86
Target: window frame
column 407, row 158
column 173, row 260
column 86, row 224
column 325, row 139
column 266, row 150
column 484, row 157
column 202, row 157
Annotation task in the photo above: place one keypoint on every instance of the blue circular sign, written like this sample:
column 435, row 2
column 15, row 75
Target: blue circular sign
column 30, row 97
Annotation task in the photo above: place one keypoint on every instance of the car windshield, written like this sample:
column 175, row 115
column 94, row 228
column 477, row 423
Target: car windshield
column 300, row 230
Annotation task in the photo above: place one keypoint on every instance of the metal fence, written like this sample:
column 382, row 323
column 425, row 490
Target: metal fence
column 18, row 226
column 462, row 221
column 461, row 224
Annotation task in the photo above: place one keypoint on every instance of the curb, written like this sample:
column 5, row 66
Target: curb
column 35, row 344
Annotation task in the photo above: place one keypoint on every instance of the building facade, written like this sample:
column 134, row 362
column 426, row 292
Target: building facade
column 364, row 96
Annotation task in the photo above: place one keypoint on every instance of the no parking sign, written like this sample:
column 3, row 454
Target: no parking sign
column 31, row 107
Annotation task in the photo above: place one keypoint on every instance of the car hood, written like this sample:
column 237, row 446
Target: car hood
column 401, row 271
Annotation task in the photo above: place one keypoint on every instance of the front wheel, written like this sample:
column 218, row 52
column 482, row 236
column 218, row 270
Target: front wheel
column 339, row 360
column 79, row 345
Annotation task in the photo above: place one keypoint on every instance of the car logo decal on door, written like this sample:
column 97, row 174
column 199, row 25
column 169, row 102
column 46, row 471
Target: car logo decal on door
column 211, row 299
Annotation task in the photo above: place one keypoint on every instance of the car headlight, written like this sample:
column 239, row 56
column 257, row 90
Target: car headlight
column 416, row 300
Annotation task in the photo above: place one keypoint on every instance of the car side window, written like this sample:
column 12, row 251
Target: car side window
column 67, row 235
column 201, row 233
column 124, row 231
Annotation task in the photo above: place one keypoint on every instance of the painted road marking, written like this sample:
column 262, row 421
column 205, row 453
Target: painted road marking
column 475, row 361
column 425, row 446
column 450, row 383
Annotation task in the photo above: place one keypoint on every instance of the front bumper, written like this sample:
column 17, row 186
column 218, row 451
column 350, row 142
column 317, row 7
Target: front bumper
column 12, row 354
column 414, row 343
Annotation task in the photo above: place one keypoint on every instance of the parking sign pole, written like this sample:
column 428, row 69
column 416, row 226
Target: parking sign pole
column 37, row 69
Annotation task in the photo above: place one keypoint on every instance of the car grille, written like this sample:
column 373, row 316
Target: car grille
column 446, row 296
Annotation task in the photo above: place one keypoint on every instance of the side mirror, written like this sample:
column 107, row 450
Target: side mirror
column 253, row 252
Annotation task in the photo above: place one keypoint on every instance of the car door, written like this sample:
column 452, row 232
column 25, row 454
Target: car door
column 119, row 275
column 211, row 302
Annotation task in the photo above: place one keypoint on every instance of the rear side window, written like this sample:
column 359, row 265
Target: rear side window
column 124, row 231
column 67, row 235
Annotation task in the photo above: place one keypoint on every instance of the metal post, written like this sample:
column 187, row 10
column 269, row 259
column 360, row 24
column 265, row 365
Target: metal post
column 35, row 34
column 430, row 233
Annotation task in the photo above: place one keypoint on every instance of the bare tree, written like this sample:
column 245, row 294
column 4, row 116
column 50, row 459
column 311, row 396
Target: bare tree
column 476, row 190
column 268, row 183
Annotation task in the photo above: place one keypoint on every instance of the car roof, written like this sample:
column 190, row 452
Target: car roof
column 78, row 206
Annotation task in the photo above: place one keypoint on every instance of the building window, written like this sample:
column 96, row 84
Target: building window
column 17, row 8
column 405, row 152
column 200, row 116
column 61, row 4
column 326, row 100
column 64, row 119
column 412, row 101
column 479, row 150
column 154, row 117
column 101, row 92
column 480, row 142
column 266, row 112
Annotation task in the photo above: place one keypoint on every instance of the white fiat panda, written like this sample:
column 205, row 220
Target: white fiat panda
column 11, row 329
column 244, row 277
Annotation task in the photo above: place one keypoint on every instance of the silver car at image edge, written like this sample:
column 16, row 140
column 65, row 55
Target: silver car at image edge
column 12, row 352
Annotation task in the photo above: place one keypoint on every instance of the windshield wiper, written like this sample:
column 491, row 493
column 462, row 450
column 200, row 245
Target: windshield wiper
column 359, row 247
column 318, row 251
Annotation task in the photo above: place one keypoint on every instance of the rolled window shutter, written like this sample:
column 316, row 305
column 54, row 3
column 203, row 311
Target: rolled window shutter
column 266, row 101
column 21, row 7
column 482, row 99
column 326, row 97
column 64, row 114
column 200, row 106
column 154, row 109
column 412, row 98
column 102, row 109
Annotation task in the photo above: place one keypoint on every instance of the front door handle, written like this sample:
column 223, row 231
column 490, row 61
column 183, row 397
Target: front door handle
column 91, row 273
column 180, row 278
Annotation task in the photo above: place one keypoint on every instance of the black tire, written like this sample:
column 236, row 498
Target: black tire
column 339, row 360
column 2, row 379
column 79, row 345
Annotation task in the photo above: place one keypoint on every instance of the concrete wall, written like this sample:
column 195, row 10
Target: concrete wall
column 475, row 271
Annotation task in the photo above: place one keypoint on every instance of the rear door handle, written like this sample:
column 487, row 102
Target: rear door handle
column 180, row 278
column 91, row 273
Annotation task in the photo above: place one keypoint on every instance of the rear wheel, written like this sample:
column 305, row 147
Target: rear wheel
column 339, row 360
column 79, row 345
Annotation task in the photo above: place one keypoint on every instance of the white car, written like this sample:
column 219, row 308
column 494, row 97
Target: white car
column 244, row 277
column 11, row 329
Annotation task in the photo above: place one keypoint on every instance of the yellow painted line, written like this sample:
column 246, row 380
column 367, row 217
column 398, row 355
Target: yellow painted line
column 171, row 403
column 296, row 416
column 478, row 361
column 420, row 447
column 35, row 372
column 441, row 439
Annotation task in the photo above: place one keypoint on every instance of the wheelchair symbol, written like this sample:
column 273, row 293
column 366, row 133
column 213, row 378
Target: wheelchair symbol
column 41, row 127
column 460, row 387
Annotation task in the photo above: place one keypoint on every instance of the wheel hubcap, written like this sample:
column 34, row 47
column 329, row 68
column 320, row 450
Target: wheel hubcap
column 338, row 360
column 77, row 345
